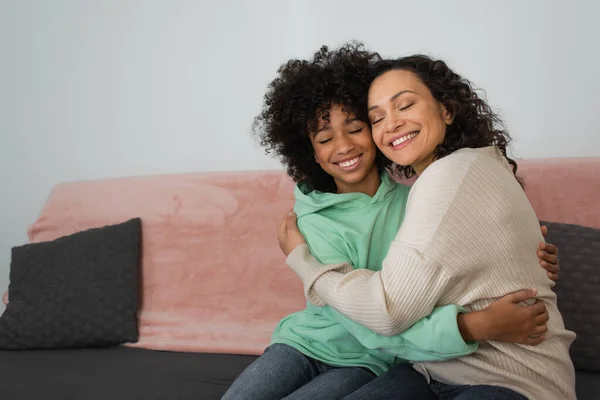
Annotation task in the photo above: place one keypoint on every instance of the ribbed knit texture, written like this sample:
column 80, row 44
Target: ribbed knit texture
column 469, row 237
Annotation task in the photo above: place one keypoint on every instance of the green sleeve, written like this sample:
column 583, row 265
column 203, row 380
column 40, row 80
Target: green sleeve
column 433, row 338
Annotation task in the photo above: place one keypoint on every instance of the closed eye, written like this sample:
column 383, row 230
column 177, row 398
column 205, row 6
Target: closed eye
column 407, row 107
column 376, row 121
column 356, row 130
column 324, row 141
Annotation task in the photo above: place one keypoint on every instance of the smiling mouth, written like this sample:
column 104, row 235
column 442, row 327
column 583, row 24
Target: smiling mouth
column 401, row 142
column 350, row 164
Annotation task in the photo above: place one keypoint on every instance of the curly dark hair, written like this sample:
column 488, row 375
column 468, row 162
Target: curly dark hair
column 301, row 94
column 475, row 124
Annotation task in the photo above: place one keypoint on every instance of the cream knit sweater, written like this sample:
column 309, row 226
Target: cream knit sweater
column 469, row 237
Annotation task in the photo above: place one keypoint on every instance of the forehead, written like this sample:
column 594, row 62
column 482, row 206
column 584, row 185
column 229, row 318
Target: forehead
column 392, row 82
column 336, row 114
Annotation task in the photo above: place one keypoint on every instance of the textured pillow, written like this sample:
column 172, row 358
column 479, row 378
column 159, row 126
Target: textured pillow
column 79, row 290
column 578, row 289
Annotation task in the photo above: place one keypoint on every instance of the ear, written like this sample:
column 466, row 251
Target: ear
column 447, row 116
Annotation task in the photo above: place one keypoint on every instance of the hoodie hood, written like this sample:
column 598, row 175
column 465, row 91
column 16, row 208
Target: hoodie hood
column 309, row 201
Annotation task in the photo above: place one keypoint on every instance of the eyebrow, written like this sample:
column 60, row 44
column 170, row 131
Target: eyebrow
column 327, row 126
column 322, row 129
column 394, row 97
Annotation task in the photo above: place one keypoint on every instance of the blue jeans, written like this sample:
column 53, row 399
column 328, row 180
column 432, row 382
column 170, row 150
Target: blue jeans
column 466, row 392
column 404, row 383
column 400, row 383
column 282, row 372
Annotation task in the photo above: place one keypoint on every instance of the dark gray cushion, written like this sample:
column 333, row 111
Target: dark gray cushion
column 79, row 290
column 578, row 289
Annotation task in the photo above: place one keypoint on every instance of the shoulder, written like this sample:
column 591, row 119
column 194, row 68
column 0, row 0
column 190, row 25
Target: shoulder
column 460, row 161
column 312, row 222
column 463, row 180
column 317, row 227
column 463, row 165
column 446, row 184
column 469, row 158
column 323, row 240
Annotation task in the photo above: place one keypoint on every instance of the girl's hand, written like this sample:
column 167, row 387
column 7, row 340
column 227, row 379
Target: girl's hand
column 289, row 235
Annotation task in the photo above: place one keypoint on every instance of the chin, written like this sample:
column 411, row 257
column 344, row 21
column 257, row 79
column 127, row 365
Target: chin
column 402, row 161
column 359, row 177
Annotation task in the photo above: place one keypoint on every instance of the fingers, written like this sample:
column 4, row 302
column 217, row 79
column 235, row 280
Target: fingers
column 544, row 229
column 548, row 257
column 291, row 221
column 534, row 341
column 537, row 308
column 549, row 248
column 540, row 330
column 281, row 231
column 542, row 318
column 550, row 266
column 285, row 223
column 538, row 333
column 521, row 295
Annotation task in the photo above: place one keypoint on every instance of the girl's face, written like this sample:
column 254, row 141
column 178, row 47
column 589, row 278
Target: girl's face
column 344, row 148
column 407, row 122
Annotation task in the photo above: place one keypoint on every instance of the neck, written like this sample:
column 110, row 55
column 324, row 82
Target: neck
column 369, row 185
column 420, row 166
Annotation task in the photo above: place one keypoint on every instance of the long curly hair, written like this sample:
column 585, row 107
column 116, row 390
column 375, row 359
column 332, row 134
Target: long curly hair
column 301, row 94
column 475, row 124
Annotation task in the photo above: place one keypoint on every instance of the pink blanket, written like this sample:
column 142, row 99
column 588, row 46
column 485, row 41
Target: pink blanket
column 213, row 276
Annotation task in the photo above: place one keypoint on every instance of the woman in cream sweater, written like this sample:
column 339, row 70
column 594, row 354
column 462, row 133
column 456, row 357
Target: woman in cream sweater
column 468, row 236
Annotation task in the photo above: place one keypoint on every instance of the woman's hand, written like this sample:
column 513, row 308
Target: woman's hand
column 548, row 255
column 288, row 234
column 506, row 320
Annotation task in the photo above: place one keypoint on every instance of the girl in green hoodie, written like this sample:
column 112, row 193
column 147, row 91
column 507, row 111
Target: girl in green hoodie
column 315, row 119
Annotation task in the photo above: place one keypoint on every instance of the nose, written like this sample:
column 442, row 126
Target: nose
column 393, row 122
column 344, row 145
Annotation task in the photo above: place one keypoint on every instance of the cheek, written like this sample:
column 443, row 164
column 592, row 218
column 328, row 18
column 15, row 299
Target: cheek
column 440, row 129
column 322, row 154
column 366, row 141
column 376, row 134
column 435, row 125
column 316, row 155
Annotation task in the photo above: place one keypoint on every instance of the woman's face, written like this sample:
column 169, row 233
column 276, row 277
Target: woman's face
column 407, row 122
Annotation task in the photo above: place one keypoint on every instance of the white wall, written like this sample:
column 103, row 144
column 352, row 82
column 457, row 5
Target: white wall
column 94, row 89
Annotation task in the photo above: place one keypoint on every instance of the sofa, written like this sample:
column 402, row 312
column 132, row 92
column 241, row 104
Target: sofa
column 213, row 283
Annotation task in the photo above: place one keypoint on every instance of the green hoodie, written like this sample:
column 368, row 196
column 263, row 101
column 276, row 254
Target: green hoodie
column 357, row 229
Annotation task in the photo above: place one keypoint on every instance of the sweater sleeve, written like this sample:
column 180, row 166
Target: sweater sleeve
column 433, row 338
column 387, row 301
column 410, row 283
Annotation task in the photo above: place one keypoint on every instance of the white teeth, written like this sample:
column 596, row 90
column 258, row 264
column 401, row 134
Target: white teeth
column 349, row 163
column 404, row 138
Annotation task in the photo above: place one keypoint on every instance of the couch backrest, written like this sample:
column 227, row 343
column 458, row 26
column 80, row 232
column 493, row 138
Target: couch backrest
column 564, row 190
column 214, row 278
